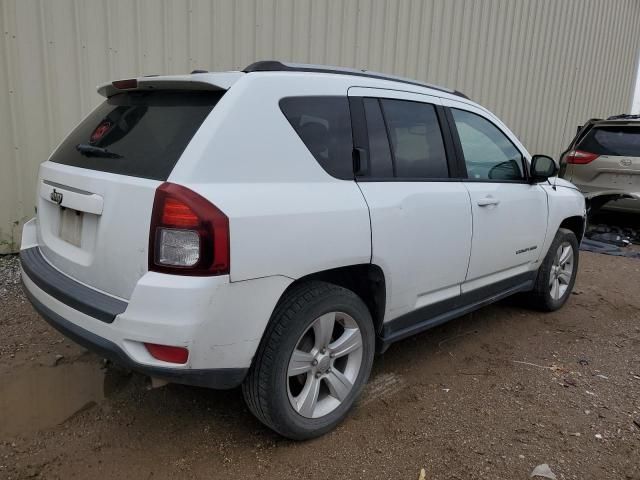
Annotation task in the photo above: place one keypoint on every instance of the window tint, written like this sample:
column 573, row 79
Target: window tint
column 324, row 125
column 622, row 140
column 141, row 134
column 488, row 153
column 380, row 165
column 416, row 139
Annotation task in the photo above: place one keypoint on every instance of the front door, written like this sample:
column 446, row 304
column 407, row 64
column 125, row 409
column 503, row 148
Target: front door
column 509, row 213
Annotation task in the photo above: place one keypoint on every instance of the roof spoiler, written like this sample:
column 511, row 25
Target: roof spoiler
column 197, row 81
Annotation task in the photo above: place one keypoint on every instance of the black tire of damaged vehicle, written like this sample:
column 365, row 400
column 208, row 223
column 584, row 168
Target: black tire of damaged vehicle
column 540, row 297
column 265, row 390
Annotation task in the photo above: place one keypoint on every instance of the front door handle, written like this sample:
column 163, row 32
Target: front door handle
column 486, row 201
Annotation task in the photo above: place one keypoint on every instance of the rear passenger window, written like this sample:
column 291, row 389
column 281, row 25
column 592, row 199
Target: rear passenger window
column 488, row 152
column 416, row 139
column 324, row 125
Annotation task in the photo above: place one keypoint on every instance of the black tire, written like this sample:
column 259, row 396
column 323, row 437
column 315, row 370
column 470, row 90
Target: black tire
column 540, row 297
column 266, row 387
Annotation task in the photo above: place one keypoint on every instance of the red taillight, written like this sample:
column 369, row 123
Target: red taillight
column 177, row 214
column 579, row 157
column 167, row 353
column 125, row 84
column 188, row 234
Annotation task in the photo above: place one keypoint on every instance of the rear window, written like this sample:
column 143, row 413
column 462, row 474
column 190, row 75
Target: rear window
column 140, row 134
column 324, row 125
column 622, row 140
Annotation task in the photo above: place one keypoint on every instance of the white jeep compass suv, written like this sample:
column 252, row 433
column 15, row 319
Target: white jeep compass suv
column 274, row 228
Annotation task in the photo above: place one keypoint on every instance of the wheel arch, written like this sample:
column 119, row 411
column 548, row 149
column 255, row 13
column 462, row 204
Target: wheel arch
column 576, row 224
column 365, row 280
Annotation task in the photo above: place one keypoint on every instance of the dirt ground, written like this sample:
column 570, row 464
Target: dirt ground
column 490, row 395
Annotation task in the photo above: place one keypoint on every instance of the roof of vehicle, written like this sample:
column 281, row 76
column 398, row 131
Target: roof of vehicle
column 276, row 66
column 204, row 80
column 614, row 120
column 624, row 116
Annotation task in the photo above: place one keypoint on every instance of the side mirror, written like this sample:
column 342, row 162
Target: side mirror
column 543, row 167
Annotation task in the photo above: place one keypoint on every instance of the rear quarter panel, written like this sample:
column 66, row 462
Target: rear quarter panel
column 287, row 216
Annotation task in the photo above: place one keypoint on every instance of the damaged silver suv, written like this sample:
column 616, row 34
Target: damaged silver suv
column 603, row 161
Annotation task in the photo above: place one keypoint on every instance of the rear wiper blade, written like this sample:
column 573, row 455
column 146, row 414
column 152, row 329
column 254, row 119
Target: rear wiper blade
column 91, row 151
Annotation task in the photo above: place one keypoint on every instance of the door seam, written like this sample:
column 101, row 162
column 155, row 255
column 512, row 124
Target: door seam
column 370, row 224
column 466, row 276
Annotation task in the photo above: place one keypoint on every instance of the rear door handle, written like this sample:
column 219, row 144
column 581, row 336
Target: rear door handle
column 486, row 201
column 359, row 156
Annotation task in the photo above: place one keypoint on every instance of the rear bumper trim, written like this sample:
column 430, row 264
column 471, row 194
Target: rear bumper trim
column 68, row 291
column 221, row 379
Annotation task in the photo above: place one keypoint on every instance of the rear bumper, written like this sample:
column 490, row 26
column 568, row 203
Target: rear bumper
column 594, row 192
column 68, row 291
column 220, row 322
column 223, row 378
column 624, row 205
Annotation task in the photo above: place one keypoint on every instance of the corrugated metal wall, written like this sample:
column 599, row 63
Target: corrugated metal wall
column 543, row 66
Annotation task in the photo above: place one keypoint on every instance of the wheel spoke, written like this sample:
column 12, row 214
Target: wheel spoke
column 300, row 363
column 555, row 289
column 308, row 398
column 316, row 385
column 564, row 277
column 552, row 278
column 323, row 329
column 349, row 341
column 567, row 253
column 556, row 259
column 338, row 384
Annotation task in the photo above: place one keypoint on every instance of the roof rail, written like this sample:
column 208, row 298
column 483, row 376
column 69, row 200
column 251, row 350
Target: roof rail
column 624, row 116
column 276, row 66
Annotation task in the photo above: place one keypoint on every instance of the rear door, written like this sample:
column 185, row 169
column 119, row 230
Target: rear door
column 95, row 194
column 509, row 213
column 420, row 217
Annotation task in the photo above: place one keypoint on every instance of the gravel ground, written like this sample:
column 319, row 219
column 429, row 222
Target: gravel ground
column 9, row 276
column 490, row 395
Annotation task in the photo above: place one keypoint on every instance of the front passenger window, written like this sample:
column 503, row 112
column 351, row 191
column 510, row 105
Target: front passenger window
column 488, row 152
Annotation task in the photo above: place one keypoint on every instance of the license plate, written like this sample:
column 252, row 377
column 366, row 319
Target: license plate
column 71, row 226
column 623, row 178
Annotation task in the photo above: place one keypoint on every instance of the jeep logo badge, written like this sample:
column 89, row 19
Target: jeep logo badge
column 56, row 197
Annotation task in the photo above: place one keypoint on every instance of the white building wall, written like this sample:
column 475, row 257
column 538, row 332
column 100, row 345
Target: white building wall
column 543, row 66
column 635, row 107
